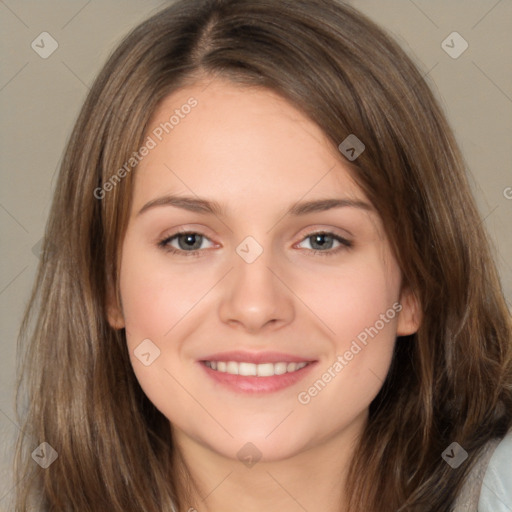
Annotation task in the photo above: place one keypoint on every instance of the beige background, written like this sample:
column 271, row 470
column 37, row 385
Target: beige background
column 40, row 99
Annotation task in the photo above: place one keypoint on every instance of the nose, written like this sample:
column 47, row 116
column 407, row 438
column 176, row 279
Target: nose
column 256, row 297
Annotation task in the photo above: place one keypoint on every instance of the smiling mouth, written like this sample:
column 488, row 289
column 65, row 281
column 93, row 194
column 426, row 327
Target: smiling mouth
column 254, row 370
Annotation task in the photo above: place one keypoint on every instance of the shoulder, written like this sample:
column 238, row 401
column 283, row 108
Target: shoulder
column 496, row 491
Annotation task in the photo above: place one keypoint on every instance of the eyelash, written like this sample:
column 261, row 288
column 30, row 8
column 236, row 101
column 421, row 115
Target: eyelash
column 162, row 244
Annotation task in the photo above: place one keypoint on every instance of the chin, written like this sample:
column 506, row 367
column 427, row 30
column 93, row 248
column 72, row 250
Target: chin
column 258, row 444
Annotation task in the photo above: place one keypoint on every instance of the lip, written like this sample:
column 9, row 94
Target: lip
column 252, row 384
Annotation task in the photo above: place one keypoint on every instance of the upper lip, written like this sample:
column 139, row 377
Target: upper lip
column 256, row 357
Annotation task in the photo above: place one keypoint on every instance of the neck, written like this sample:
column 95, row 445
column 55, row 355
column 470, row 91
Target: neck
column 313, row 479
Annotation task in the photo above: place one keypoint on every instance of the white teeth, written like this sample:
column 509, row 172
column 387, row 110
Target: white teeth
column 247, row 369
column 280, row 368
column 265, row 370
column 253, row 370
column 232, row 368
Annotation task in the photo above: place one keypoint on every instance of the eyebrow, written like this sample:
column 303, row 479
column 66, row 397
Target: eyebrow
column 204, row 206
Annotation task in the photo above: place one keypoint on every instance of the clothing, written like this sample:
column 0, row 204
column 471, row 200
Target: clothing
column 496, row 492
column 488, row 488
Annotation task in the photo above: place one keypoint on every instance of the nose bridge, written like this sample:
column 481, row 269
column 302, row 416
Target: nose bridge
column 255, row 296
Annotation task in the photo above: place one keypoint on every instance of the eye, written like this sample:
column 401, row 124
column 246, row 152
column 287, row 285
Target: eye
column 189, row 243
column 323, row 241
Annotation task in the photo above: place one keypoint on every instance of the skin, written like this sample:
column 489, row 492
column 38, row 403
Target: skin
column 254, row 153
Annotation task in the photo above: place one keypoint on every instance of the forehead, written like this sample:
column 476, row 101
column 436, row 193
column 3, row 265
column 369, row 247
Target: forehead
column 239, row 145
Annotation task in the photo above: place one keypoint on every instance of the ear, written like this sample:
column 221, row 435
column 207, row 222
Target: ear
column 114, row 311
column 410, row 316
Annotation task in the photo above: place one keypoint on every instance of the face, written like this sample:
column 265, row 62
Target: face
column 250, row 249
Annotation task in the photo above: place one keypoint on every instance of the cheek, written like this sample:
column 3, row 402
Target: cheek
column 361, row 307
column 354, row 297
column 156, row 296
column 154, row 301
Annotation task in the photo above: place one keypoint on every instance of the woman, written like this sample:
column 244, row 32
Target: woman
column 258, row 373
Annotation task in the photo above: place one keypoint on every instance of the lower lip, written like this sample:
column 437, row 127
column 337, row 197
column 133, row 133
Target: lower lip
column 244, row 384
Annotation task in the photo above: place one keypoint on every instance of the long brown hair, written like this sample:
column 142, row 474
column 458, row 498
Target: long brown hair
column 449, row 382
